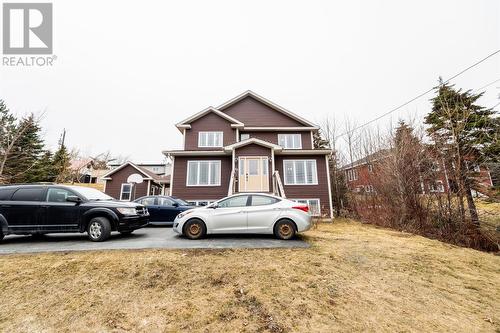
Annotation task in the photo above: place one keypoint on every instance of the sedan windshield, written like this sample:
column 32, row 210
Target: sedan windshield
column 90, row 193
column 181, row 202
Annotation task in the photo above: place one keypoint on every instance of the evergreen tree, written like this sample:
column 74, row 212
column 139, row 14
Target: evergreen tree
column 319, row 142
column 465, row 131
column 44, row 170
column 26, row 153
column 7, row 129
column 61, row 165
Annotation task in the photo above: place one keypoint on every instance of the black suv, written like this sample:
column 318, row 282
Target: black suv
column 42, row 209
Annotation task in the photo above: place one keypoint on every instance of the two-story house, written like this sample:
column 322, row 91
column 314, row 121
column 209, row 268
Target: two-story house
column 250, row 144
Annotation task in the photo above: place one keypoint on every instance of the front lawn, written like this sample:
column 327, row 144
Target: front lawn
column 354, row 277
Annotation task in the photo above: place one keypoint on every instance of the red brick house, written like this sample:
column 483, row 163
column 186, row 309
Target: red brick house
column 250, row 144
column 360, row 175
column 116, row 182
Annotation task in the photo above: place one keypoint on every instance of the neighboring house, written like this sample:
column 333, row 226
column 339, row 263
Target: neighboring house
column 361, row 175
column 161, row 169
column 250, row 144
column 117, row 185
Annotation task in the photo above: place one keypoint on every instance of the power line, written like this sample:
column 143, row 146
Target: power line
column 489, row 84
column 420, row 95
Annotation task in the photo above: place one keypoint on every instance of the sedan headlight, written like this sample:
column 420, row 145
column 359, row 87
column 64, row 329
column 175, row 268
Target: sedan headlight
column 184, row 213
column 127, row 211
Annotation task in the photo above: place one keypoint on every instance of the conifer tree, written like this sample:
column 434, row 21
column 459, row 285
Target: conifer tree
column 465, row 131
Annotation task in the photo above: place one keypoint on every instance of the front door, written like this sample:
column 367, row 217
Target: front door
column 254, row 174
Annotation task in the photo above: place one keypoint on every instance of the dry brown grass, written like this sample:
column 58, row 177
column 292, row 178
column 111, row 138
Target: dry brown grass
column 354, row 278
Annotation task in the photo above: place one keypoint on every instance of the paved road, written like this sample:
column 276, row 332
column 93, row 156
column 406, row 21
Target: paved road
column 147, row 238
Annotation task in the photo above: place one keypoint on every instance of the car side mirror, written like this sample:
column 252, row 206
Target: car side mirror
column 214, row 206
column 74, row 198
column 175, row 204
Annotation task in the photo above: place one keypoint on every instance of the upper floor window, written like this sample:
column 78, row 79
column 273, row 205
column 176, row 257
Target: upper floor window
column 352, row 174
column 244, row 136
column 210, row 139
column 300, row 172
column 290, row 141
column 370, row 168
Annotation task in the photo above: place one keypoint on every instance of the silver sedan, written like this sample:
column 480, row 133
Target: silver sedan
column 254, row 213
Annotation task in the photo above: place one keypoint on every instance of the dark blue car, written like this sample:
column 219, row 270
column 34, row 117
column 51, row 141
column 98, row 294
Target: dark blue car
column 163, row 209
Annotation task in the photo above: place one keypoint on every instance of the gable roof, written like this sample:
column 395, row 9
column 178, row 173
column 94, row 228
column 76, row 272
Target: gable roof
column 186, row 122
column 148, row 175
column 253, row 141
column 267, row 102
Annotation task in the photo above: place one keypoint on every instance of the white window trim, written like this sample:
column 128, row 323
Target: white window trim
column 352, row 175
column 295, row 175
column 207, row 146
column 309, row 199
column 130, row 193
column 280, row 135
column 198, row 175
column 197, row 202
column 437, row 187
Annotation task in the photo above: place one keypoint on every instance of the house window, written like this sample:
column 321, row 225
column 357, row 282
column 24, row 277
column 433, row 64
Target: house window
column 290, row 141
column 437, row 187
column 352, row 174
column 435, row 166
column 313, row 204
column 370, row 168
column 126, row 192
column 244, row 136
column 300, row 172
column 203, row 173
column 200, row 202
column 369, row 189
column 210, row 139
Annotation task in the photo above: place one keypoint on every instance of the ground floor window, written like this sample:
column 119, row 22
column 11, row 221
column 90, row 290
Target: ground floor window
column 126, row 192
column 200, row 202
column 203, row 173
column 300, row 172
column 313, row 204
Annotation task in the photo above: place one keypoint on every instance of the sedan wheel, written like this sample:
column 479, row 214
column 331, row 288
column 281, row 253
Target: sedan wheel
column 195, row 229
column 284, row 229
column 99, row 229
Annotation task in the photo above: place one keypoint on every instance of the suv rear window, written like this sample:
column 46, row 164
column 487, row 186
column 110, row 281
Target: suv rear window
column 6, row 193
column 28, row 194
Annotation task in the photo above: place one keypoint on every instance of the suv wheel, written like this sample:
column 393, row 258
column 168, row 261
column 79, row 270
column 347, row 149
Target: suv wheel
column 284, row 229
column 99, row 229
column 195, row 229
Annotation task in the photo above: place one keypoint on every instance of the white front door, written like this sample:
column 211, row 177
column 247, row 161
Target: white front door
column 254, row 174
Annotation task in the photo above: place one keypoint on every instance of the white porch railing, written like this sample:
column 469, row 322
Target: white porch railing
column 230, row 190
column 278, row 185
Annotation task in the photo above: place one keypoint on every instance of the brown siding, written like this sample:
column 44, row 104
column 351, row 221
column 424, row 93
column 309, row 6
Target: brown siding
column 254, row 113
column 253, row 150
column 180, row 189
column 209, row 122
column 273, row 137
column 319, row 191
column 114, row 185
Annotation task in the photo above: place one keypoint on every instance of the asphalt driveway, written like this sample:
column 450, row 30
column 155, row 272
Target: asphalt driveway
column 146, row 238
